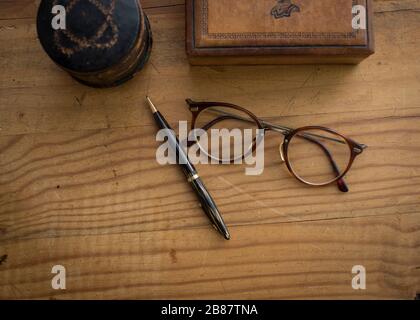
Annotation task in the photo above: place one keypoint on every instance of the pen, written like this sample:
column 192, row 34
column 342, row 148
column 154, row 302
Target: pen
column 206, row 201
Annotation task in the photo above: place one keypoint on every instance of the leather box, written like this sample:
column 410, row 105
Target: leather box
column 278, row 31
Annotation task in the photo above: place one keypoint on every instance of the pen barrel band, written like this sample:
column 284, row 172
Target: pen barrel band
column 193, row 177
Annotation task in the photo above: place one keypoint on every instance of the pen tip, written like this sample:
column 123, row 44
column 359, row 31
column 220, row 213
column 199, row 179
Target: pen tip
column 227, row 235
column 151, row 105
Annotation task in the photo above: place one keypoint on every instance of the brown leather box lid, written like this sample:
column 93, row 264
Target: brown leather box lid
column 258, row 27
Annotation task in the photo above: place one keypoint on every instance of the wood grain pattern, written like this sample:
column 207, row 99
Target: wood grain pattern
column 296, row 260
column 79, row 184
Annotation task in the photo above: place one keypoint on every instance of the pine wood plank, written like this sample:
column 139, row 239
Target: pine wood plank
column 388, row 80
column 108, row 181
column 291, row 260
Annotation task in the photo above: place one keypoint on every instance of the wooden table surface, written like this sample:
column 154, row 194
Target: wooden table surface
column 80, row 186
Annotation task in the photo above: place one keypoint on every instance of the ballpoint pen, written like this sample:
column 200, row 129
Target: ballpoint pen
column 206, row 201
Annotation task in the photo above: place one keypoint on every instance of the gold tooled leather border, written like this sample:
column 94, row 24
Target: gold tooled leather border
column 203, row 27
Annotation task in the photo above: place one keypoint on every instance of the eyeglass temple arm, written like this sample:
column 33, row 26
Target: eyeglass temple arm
column 341, row 183
column 209, row 125
column 275, row 127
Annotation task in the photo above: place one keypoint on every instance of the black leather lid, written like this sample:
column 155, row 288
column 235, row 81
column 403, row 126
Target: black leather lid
column 98, row 35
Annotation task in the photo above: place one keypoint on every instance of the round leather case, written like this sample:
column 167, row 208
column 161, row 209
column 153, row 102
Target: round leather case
column 101, row 43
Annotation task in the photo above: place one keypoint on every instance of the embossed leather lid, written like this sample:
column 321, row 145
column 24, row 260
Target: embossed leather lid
column 276, row 27
column 98, row 35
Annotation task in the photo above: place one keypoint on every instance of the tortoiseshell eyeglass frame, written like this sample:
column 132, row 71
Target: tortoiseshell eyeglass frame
column 355, row 148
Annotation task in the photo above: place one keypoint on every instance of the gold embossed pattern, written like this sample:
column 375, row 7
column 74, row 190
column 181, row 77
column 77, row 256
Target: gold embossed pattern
column 284, row 8
column 81, row 43
column 276, row 22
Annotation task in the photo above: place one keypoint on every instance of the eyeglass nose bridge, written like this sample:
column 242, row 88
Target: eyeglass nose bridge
column 282, row 156
column 283, row 159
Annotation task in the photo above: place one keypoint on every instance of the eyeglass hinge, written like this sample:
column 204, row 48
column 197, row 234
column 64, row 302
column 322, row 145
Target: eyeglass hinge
column 358, row 150
column 194, row 109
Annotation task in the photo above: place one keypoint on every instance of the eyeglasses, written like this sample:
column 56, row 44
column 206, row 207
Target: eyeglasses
column 314, row 155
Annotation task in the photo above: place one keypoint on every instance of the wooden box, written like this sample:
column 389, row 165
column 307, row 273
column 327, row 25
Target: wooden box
column 278, row 31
